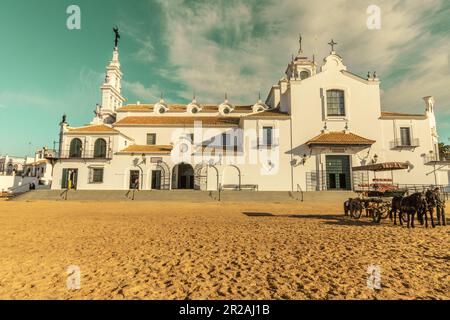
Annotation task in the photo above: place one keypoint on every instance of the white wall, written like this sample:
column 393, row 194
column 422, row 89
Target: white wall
column 17, row 183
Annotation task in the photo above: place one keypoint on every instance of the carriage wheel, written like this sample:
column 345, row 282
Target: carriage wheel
column 376, row 215
column 385, row 212
column 404, row 216
column 355, row 209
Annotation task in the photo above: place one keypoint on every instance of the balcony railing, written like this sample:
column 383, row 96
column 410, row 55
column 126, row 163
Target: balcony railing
column 434, row 159
column 400, row 144
column 85, row 154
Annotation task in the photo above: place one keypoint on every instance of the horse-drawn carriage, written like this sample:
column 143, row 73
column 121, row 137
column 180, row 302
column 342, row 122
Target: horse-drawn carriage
column 377, row 205
column 375, row 198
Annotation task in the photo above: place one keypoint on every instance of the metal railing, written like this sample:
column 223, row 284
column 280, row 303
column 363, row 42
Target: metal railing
column 433, row 158
column 85, row 154
column 399, row 143
column 412, row 188
column 316, row 181
column 299, row 189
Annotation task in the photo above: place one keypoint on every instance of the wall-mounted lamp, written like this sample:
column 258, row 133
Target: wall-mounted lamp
column 304, row 158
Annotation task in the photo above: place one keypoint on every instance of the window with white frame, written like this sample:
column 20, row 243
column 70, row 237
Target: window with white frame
column 96, row 175
column 405, row 136
column 151, row 139
column 335, row 103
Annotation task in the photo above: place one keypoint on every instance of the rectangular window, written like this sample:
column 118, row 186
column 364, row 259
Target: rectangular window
column 96, row 175
column 151, row 139
column 267, row 136
column 191, row 137
column 225, row 139
column 405, row 136
column 335, row 103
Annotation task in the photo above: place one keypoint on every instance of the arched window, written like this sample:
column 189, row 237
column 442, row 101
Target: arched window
column 335, row 103
column 304, row 75
column 75, row 148
column 100, row 148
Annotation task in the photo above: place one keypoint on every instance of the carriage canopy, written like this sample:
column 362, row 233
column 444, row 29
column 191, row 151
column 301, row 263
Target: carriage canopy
column 386, row 166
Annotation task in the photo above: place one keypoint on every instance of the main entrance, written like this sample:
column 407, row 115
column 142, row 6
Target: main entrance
column 338, row 172
column 183, row 176
column 134, row 179
column 156, row 180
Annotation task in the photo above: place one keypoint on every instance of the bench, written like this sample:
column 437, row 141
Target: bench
column 253, row 187
column 230, row 187
column 236, row 187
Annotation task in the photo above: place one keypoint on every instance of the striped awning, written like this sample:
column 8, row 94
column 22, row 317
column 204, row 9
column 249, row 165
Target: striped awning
column 386, row 166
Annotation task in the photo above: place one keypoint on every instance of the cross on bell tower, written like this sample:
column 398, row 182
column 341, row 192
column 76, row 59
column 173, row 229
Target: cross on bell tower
column 300, row 50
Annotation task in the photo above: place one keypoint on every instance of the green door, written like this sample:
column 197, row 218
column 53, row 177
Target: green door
column 338, row 172
column 65, row 179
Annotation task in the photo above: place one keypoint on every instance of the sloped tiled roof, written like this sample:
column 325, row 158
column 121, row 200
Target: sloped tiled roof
column 388, row 114
column 136, row 107
column 160, row 149
column 36, row 163
column 268, row 114
column 181, row 108
column 178, row 121
column 93, row 129
column 339, row 138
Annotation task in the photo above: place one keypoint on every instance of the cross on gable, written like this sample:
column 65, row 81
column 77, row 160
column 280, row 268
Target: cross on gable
column 332, row 44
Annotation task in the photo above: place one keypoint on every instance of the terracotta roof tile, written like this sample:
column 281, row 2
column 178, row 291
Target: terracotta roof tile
column 37, row 163
column 180, row 107
column 93, row 129
column 269, row 114
column 136, row 107
column 339, row 138
column 160, row 149
column 179, row 121
column 388, row 114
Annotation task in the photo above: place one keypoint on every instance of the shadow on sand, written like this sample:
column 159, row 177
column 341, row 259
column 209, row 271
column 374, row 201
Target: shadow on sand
column 331, row 219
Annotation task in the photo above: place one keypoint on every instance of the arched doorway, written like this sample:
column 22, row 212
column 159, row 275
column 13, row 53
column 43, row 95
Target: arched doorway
column 183, row 176
column 232, row 177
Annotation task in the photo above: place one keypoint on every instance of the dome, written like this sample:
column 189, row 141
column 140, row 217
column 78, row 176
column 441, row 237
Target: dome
column 193, row 107
column 226, row 107
column 161, row 107
column 260, row 106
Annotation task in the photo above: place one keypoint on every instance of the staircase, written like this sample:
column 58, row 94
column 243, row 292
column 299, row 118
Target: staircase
column 184, row 196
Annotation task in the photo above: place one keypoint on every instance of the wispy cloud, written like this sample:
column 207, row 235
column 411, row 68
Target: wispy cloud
column 243, row 47
column 21, row 99
column 147, row 94
column 145, row 47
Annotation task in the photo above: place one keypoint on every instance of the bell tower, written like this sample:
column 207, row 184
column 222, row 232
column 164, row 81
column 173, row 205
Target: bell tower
column 112, row 98
column 301, row 67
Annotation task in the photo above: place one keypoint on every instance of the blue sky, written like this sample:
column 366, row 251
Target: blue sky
column 210, row 47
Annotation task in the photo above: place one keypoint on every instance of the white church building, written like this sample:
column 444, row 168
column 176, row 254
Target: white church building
column 317, row 125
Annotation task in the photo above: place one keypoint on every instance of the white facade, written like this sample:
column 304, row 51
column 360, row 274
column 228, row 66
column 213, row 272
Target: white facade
column 39, row 166
column 316, row 125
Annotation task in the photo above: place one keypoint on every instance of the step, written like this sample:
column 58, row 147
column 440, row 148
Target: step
column 184, row 195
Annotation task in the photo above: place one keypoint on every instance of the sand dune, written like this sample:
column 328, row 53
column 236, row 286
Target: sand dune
column 151, row 250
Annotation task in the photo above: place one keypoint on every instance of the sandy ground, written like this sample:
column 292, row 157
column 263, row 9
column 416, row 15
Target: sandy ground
column 151, row 250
